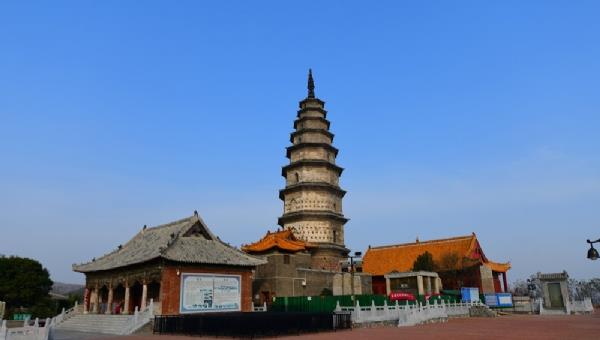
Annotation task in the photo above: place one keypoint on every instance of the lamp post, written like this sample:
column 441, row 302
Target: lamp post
column 592, row 252
column 357, row 254
column 532, row 287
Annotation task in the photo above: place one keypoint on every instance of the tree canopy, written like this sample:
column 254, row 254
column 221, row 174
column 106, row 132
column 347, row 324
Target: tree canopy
column 424, row 262
column 24, row 283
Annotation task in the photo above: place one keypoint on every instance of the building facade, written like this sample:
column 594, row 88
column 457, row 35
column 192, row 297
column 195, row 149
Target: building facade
column 288, row 272
column 181, row 266
column 312, row 196
column 459, row 261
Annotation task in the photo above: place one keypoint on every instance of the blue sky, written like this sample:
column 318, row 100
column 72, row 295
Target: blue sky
column 450, row 117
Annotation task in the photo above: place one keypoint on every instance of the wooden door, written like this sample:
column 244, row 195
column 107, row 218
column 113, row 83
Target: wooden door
column 556, row 298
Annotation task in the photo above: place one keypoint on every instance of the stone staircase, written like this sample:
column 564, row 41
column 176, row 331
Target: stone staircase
column 553, row 311
column 96, row 323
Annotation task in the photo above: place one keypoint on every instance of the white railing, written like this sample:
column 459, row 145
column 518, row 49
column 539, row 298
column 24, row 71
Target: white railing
column 26, row 332
column 35, row 332
column 66, row 314
column 583, row 306
column 139, row 319
column 407, row 315
column 262, row 308
column 461, row 309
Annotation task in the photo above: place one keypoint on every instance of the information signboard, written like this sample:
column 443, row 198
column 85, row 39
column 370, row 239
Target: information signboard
column 504, row 300
column 21, row 316
column 210, row 293
column 470, row 294
column 491, row 299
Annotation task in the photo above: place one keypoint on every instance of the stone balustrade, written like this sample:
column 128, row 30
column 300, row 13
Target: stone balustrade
column 262, row 308
column 407, row 315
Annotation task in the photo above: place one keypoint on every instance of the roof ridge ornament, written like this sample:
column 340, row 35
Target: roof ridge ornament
column 311, row 84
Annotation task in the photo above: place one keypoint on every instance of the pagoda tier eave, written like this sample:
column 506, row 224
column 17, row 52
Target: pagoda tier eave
column 308, row 109
column 327, row 245
column 322, row 131
column 315, row 214
column 311, row 162
column 310, row 144
column 311, row 186
column 312, row 118
column 308, row 100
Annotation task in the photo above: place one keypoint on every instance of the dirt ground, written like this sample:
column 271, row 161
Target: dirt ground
column 503, row 327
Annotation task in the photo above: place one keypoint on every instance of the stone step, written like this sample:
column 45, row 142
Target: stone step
column 96, row 323
column 75, row 322
column 109, row 326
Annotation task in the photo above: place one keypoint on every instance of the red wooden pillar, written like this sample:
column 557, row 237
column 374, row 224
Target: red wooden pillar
column 505, row 282
column 86, row 300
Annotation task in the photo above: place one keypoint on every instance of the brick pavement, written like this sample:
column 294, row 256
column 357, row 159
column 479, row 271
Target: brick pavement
column 532, row 327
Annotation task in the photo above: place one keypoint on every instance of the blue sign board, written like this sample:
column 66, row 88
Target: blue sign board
column 469, row 294
column 491, row 300
column 504, row 300
column 499, row 300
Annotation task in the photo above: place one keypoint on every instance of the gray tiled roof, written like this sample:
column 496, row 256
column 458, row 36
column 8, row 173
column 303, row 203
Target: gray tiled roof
column 169, row 241
column 553, row 276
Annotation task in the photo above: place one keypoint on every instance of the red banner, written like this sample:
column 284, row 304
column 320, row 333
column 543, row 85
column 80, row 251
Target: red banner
column 401, row 296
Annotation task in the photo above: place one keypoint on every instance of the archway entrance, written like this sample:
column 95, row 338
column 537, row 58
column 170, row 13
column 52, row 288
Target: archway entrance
column 135, row 297
column 153, row 292
column 103, row 299
column 118, row 299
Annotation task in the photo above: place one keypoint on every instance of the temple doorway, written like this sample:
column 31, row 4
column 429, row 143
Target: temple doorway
column 118, row 299
column 103, row 299
column 153, row 292
column 556, row 298
column 136, row 297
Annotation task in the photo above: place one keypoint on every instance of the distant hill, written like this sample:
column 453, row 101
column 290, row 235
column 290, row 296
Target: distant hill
column 67, row 288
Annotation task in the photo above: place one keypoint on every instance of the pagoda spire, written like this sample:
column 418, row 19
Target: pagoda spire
column 311, row 84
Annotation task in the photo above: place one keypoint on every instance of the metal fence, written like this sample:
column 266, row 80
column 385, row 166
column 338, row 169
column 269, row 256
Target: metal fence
column 251, row 324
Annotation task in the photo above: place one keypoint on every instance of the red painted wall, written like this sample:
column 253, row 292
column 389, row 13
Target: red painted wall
column 497, row 286
column 170, row 285
column 378, row 285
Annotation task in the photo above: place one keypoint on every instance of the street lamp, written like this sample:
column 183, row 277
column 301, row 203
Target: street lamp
column 592, row 252
column 532, row 287
column 357, row 254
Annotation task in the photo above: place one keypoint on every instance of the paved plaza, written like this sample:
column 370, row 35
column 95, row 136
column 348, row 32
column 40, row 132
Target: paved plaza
column 503, row 327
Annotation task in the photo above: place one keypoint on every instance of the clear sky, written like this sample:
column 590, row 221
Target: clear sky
column 451, row 117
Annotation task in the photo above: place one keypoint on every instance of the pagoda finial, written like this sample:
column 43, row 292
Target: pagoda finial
column 311, row 84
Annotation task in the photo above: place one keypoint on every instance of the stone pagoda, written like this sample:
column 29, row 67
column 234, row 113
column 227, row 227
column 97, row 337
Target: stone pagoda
column 312, row 196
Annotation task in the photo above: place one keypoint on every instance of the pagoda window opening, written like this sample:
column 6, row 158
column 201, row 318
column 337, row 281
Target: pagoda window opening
column 286, row 259
column 297, row 177
column 334, row 236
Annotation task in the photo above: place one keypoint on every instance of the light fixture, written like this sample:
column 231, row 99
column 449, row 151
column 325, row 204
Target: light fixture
column 592, row 252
